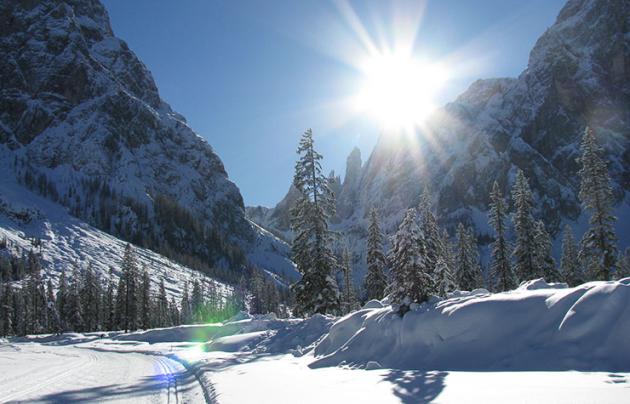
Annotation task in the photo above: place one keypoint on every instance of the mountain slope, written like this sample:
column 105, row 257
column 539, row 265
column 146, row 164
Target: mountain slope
column 83, row 122
column 578, row 74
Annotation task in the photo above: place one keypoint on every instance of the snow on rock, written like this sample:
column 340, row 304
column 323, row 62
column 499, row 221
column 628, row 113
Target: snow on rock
column 536, row 327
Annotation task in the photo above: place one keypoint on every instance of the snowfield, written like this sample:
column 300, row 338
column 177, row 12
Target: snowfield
column 539, row 343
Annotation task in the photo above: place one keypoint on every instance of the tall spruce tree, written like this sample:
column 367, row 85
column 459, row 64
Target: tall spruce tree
column 570, row 267
column 317, row 290
column 467, row 269
column 410, row 280
column 524, row 226
column 375, row 280
column 545, row 263
column 185, row 315
column 430, row 229
column 129, row 315
column 90, row 299
column 500, row 269
column 54, row 321
column 145, row 308
column 108, row 306
column 623, row 270
column 444, row 278
column 162, row 306
column 598, row 248
column 349, row 301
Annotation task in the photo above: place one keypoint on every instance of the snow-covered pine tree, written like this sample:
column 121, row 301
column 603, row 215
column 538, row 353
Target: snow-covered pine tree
column 108, row 306
column 174, row 313
column 410, row 281
column 524, row 226
column 52, row 316
column 444, row 278
column 375, row 280
column 545, row 263
column 145, row 308
column 317, row 290
column 623, row 263
column 430, row 229
column 62, row 299
column 598, row 250
column 90, row 299
column 570, row 268
column 36, row 301
column 467, row 269
column 129, row 272
column 349, row 301
column 73, row 303
column 6, row 302
column 500, row 269
column 196, row 301
column 162, row 306
column 185, row 316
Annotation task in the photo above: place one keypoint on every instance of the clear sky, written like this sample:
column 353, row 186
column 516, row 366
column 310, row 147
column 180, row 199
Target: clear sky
column 251, row 76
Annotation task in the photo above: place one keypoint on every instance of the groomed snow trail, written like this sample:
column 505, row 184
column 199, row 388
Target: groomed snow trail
column 33, row 372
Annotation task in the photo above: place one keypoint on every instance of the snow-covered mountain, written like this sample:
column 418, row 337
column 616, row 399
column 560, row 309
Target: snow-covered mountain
column 578, row 74
column 82, row 123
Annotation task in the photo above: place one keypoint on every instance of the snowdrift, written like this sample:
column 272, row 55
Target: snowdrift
column 538, row 326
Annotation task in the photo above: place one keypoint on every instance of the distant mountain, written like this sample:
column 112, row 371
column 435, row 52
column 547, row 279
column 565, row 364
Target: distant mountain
column 578, row 74
column 82, row 124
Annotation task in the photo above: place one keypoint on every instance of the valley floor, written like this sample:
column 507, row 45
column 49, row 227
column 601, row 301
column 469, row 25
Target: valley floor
column 89, row 368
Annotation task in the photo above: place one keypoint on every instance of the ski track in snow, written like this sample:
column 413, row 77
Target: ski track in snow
column 31, row 372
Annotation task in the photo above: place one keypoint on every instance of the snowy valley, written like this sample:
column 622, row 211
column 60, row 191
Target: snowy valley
column 484, row 257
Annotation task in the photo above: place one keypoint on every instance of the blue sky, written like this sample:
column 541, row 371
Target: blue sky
column 251, row 76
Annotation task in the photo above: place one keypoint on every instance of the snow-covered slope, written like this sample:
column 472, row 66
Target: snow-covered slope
column 82, row 115
column 538, row 326
column 578, row 74
column 67, row 242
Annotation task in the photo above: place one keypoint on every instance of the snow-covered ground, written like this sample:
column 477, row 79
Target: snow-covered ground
column 473, row 347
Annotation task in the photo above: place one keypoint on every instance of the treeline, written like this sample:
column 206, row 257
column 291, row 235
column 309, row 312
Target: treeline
column 422, row 260
column 163, row 226
column 83, row 302
column 15, row 267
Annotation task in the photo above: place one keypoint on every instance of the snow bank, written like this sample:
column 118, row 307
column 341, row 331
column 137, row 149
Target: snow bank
column 539, row 326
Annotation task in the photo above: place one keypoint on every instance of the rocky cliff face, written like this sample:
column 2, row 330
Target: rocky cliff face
column 82, row 115
column 578, row 74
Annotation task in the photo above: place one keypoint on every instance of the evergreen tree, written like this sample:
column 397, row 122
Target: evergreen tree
column 467, row 269
column 175, row 315
column 90, row 299
column 6, row 311
column 145, row 301
column 428, row 225
column 570, row 268
column 349, row 302
column 196, row 301
column 54, row 321
column 108, row 316
column 624, row 265
column 500, row 270
column 317, row 290
column 410, row 280
column 524, row 225
column 73, row 303
column 185, row 316
column 375, row 280
column 445, row 281
column 129, row 316
column 598, row 248
column 162, row 306
column 62, row 298
column 119, row 311
column 545, row 263
column 35, row 296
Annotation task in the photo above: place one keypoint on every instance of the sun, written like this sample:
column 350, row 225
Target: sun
column 399, row 90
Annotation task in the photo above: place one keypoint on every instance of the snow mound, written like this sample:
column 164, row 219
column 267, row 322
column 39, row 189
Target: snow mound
column 536, row 284
column 536, row 327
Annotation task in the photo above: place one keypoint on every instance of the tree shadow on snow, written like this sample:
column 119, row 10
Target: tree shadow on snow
column 415, row 386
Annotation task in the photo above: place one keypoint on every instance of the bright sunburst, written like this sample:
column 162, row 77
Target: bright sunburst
column 399, row 90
